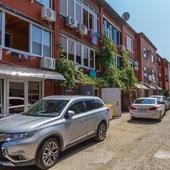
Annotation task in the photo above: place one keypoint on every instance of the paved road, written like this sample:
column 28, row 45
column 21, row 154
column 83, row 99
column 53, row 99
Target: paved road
column 130, row 145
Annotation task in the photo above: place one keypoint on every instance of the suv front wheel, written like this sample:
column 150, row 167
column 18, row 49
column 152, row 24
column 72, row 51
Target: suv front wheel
column 48, row 154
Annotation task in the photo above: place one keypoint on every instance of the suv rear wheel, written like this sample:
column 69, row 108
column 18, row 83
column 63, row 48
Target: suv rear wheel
column 48, row 154
column 101, row 132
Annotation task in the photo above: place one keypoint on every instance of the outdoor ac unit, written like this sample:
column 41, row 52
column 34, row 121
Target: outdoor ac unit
column 122, row 48
column 136, row 63
column 48, row 63
column 48, row 14
column 82, row 29
column 150, row 77
column 71, row 22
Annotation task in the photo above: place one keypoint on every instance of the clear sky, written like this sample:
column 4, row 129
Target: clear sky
column 151, row 17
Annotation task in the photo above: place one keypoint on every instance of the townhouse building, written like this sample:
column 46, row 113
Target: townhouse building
column 147, row 58
column 27, row 53
column 31, row 32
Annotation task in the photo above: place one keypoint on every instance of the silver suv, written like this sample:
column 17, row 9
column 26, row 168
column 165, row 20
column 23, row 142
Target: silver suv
column 51, row 125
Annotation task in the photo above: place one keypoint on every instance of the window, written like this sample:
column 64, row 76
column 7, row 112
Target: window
column 8, row 40
column 152, row 58
column 78, row 12
column 36, row 40
column 41, row 41
column 34, row 92
column 63, row 7
column 86, row 56
column 99, row 104
column 71, row 8
column 71, row 50
column 77, row 108
column 46, row 3
column 92, row 58
column 111, row 32
column 90, row 105
column 130, row 44
column 63, row 42
column 85, row 18
column 78, row 53
column 46, row 44
column 16, row 35
column 145, row 53
column 82, row 12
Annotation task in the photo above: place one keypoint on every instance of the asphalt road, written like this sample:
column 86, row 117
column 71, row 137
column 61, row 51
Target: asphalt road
column 130, row 145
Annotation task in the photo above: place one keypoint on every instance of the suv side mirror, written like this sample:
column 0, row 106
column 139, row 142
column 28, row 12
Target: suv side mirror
column 70, row 114
column 161, row 102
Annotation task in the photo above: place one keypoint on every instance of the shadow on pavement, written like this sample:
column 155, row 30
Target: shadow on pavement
column 143, row 121
column 64, row 155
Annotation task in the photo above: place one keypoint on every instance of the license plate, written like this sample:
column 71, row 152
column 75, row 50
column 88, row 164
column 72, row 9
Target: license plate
column 142, row 109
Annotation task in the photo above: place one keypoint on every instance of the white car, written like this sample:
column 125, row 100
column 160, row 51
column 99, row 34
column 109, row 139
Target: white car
column 147, row 108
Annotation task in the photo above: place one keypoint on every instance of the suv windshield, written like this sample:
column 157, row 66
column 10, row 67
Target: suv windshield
column 47, row 108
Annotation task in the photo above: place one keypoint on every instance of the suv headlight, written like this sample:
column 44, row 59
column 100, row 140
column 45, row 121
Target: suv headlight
column 17, row 136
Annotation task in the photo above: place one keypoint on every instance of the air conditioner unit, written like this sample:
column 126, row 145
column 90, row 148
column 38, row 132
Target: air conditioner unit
column 82, row 29
column 150, row 77
column 71, row 22
column 48, row 14
column 122, row 48
column 48, row 63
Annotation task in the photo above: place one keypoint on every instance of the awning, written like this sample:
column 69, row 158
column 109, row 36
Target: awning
column 23, row 72
column 151, row 87
column 141, row 86
column 159, row 88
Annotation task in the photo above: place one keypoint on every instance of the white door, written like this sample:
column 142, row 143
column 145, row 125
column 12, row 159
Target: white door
column 112, row 96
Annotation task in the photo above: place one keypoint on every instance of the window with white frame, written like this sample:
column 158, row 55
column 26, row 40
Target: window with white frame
column 111, row 32
column 77, row 52
column 63, row 42
column 71, row 50
column 46, row 3
column 152, row 58
column 145, row 53
column 82, row 12
column 86, row 57
column 130, row 44
column 41, row 41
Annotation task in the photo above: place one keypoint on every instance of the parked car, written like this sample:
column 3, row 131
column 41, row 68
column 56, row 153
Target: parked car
column 147, row 108
column 50, row 126
column 162, row 99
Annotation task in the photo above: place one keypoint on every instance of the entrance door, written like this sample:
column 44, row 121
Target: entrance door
column 16, row 97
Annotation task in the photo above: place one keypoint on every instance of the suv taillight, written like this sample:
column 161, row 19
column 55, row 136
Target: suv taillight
column 153, row 108
column 132, row 108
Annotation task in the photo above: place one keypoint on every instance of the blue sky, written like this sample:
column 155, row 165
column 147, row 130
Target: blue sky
column 151, row 17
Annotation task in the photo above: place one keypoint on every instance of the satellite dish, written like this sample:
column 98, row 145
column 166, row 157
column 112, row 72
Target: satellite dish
column 126, row 16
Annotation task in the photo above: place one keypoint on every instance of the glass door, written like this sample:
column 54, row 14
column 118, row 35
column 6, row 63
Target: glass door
column 16, row 97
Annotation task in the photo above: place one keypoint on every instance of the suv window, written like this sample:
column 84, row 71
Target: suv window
column 90, row 105
column 99, row 104
column 77, row 108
